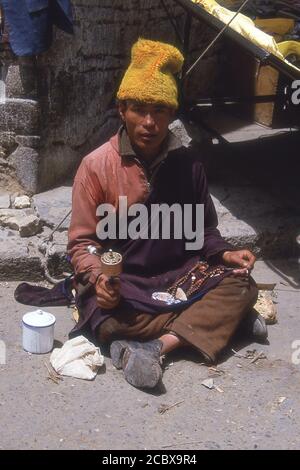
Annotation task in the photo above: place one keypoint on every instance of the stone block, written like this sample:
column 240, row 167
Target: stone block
column 29, row 226
column 21, row 79
column 21, row 202
column 53, row 205
column 4, row 201
column 32, row 141
column 7, row 214
column 25, row 162
column 19, row 116
column 17, row 262
column 178, row 128
column 7, row 141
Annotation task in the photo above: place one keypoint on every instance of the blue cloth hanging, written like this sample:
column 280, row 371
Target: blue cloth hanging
column 30, row 23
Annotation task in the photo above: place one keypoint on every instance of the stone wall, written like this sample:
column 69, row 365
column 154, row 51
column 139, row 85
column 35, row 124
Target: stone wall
column 19, row 123
column 62, row 106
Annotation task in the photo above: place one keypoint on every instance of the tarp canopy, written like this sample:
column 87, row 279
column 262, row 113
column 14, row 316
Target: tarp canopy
column 263, row 55
column 267, row 8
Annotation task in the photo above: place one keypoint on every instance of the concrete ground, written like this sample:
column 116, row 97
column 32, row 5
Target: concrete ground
column 256, row 405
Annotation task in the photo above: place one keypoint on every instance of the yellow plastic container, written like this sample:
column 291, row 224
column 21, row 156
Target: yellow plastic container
column 266, row 83
column 276, row 27
column 289, row 47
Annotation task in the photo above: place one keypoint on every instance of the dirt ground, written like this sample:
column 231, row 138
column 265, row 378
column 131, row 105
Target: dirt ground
column 256, row 405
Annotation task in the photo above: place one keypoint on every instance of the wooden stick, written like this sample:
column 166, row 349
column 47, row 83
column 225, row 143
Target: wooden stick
column 167, row 408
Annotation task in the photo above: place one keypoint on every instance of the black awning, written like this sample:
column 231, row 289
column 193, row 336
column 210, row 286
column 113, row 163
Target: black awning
column 198, row 12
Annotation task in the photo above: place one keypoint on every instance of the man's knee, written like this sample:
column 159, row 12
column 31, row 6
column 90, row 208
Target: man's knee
column 245, row 288
column 108, row 330
column 249, row 291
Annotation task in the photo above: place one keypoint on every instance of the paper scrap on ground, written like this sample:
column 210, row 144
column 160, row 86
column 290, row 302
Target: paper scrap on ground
column 266, row 307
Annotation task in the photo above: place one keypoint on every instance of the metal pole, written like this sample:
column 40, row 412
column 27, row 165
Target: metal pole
column 186, row 46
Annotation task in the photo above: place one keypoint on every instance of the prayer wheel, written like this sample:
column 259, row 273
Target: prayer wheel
column 111, row 263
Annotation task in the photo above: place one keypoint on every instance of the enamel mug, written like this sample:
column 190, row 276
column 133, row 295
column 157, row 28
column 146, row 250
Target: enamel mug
column 38, row 331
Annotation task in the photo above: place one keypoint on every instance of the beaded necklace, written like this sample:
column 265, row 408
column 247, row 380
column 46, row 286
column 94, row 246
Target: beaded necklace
column 201, row 270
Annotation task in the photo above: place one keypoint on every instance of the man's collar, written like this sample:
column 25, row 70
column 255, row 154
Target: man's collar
column 125, row 147
column 171, row 143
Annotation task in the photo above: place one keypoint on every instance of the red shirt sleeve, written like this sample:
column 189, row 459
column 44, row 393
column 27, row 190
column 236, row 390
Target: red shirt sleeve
column 87, row 194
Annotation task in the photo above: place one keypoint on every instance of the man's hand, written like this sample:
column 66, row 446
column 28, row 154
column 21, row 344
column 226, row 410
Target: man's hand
column 108, row 294
column 241, row 258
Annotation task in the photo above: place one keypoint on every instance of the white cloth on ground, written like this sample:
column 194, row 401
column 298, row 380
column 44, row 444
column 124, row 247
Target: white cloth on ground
column 77, row 358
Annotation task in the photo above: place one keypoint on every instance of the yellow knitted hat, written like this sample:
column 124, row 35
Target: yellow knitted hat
column 150, row 76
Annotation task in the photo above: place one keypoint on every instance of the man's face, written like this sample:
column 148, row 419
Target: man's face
column 147, row 125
